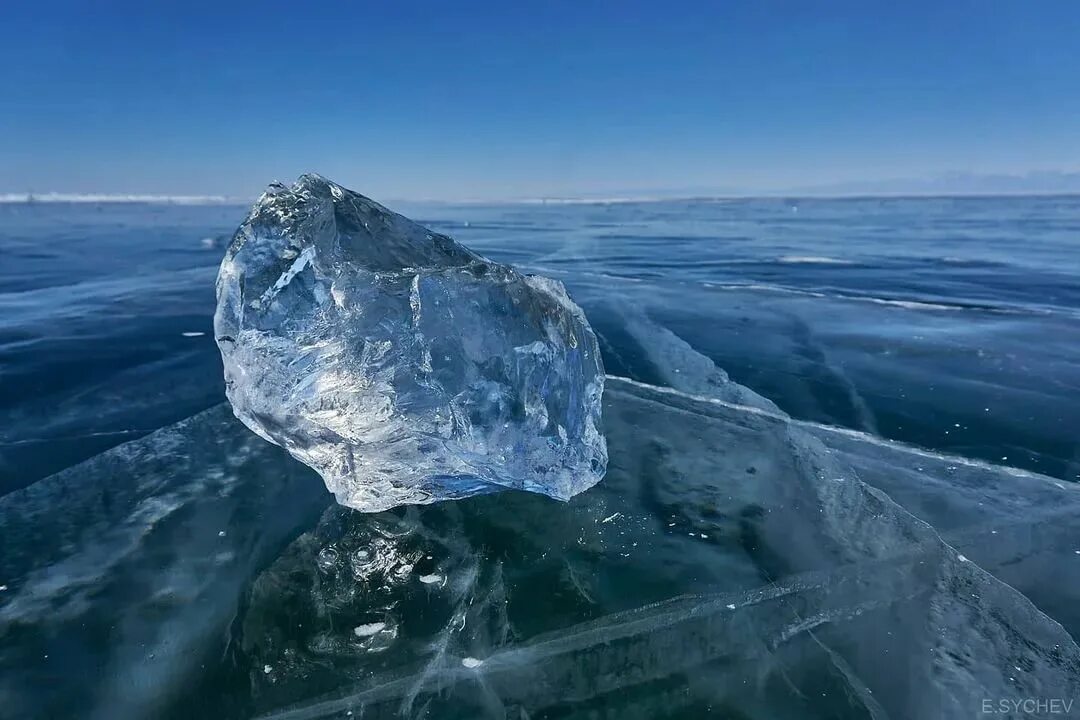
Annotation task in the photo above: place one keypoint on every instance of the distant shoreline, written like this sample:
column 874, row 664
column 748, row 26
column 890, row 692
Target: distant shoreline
column 95, row 198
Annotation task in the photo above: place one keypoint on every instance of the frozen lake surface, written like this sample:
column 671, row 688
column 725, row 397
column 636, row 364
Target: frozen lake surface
column 842, row 480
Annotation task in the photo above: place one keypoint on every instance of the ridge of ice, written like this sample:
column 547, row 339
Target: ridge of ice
column 400, row 365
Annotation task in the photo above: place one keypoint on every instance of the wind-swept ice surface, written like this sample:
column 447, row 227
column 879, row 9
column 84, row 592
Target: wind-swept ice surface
column 742, row 559
column 403, row 367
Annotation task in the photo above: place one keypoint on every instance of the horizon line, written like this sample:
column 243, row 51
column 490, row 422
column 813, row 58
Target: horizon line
column 54, row 198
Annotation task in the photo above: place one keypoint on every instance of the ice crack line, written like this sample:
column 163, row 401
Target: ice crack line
column 855, row 434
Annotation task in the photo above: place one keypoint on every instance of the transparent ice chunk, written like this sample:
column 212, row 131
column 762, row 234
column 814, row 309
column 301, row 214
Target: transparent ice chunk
column 403, row 367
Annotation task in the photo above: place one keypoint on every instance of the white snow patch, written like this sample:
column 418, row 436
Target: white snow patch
column 369, row 629
column 57, row 197
column 811, row 260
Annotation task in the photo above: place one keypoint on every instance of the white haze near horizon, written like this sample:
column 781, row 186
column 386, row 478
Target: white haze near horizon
column 1032, row 183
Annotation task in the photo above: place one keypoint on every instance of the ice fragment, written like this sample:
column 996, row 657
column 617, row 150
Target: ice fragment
column 400, row 365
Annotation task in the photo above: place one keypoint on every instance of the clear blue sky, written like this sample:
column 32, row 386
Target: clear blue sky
column 499, row 99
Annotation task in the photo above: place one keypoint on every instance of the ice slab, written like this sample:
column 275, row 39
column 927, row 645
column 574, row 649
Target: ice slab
column 733, row 561
column 400, row 365
column 124, row 571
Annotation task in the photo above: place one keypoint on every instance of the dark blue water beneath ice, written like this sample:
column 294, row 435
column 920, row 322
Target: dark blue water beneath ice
column 843, row 480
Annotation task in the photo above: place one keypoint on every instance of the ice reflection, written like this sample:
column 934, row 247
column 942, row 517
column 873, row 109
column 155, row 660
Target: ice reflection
column 732, row 562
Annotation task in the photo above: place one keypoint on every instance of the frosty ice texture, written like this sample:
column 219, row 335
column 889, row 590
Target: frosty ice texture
column 400, row 365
